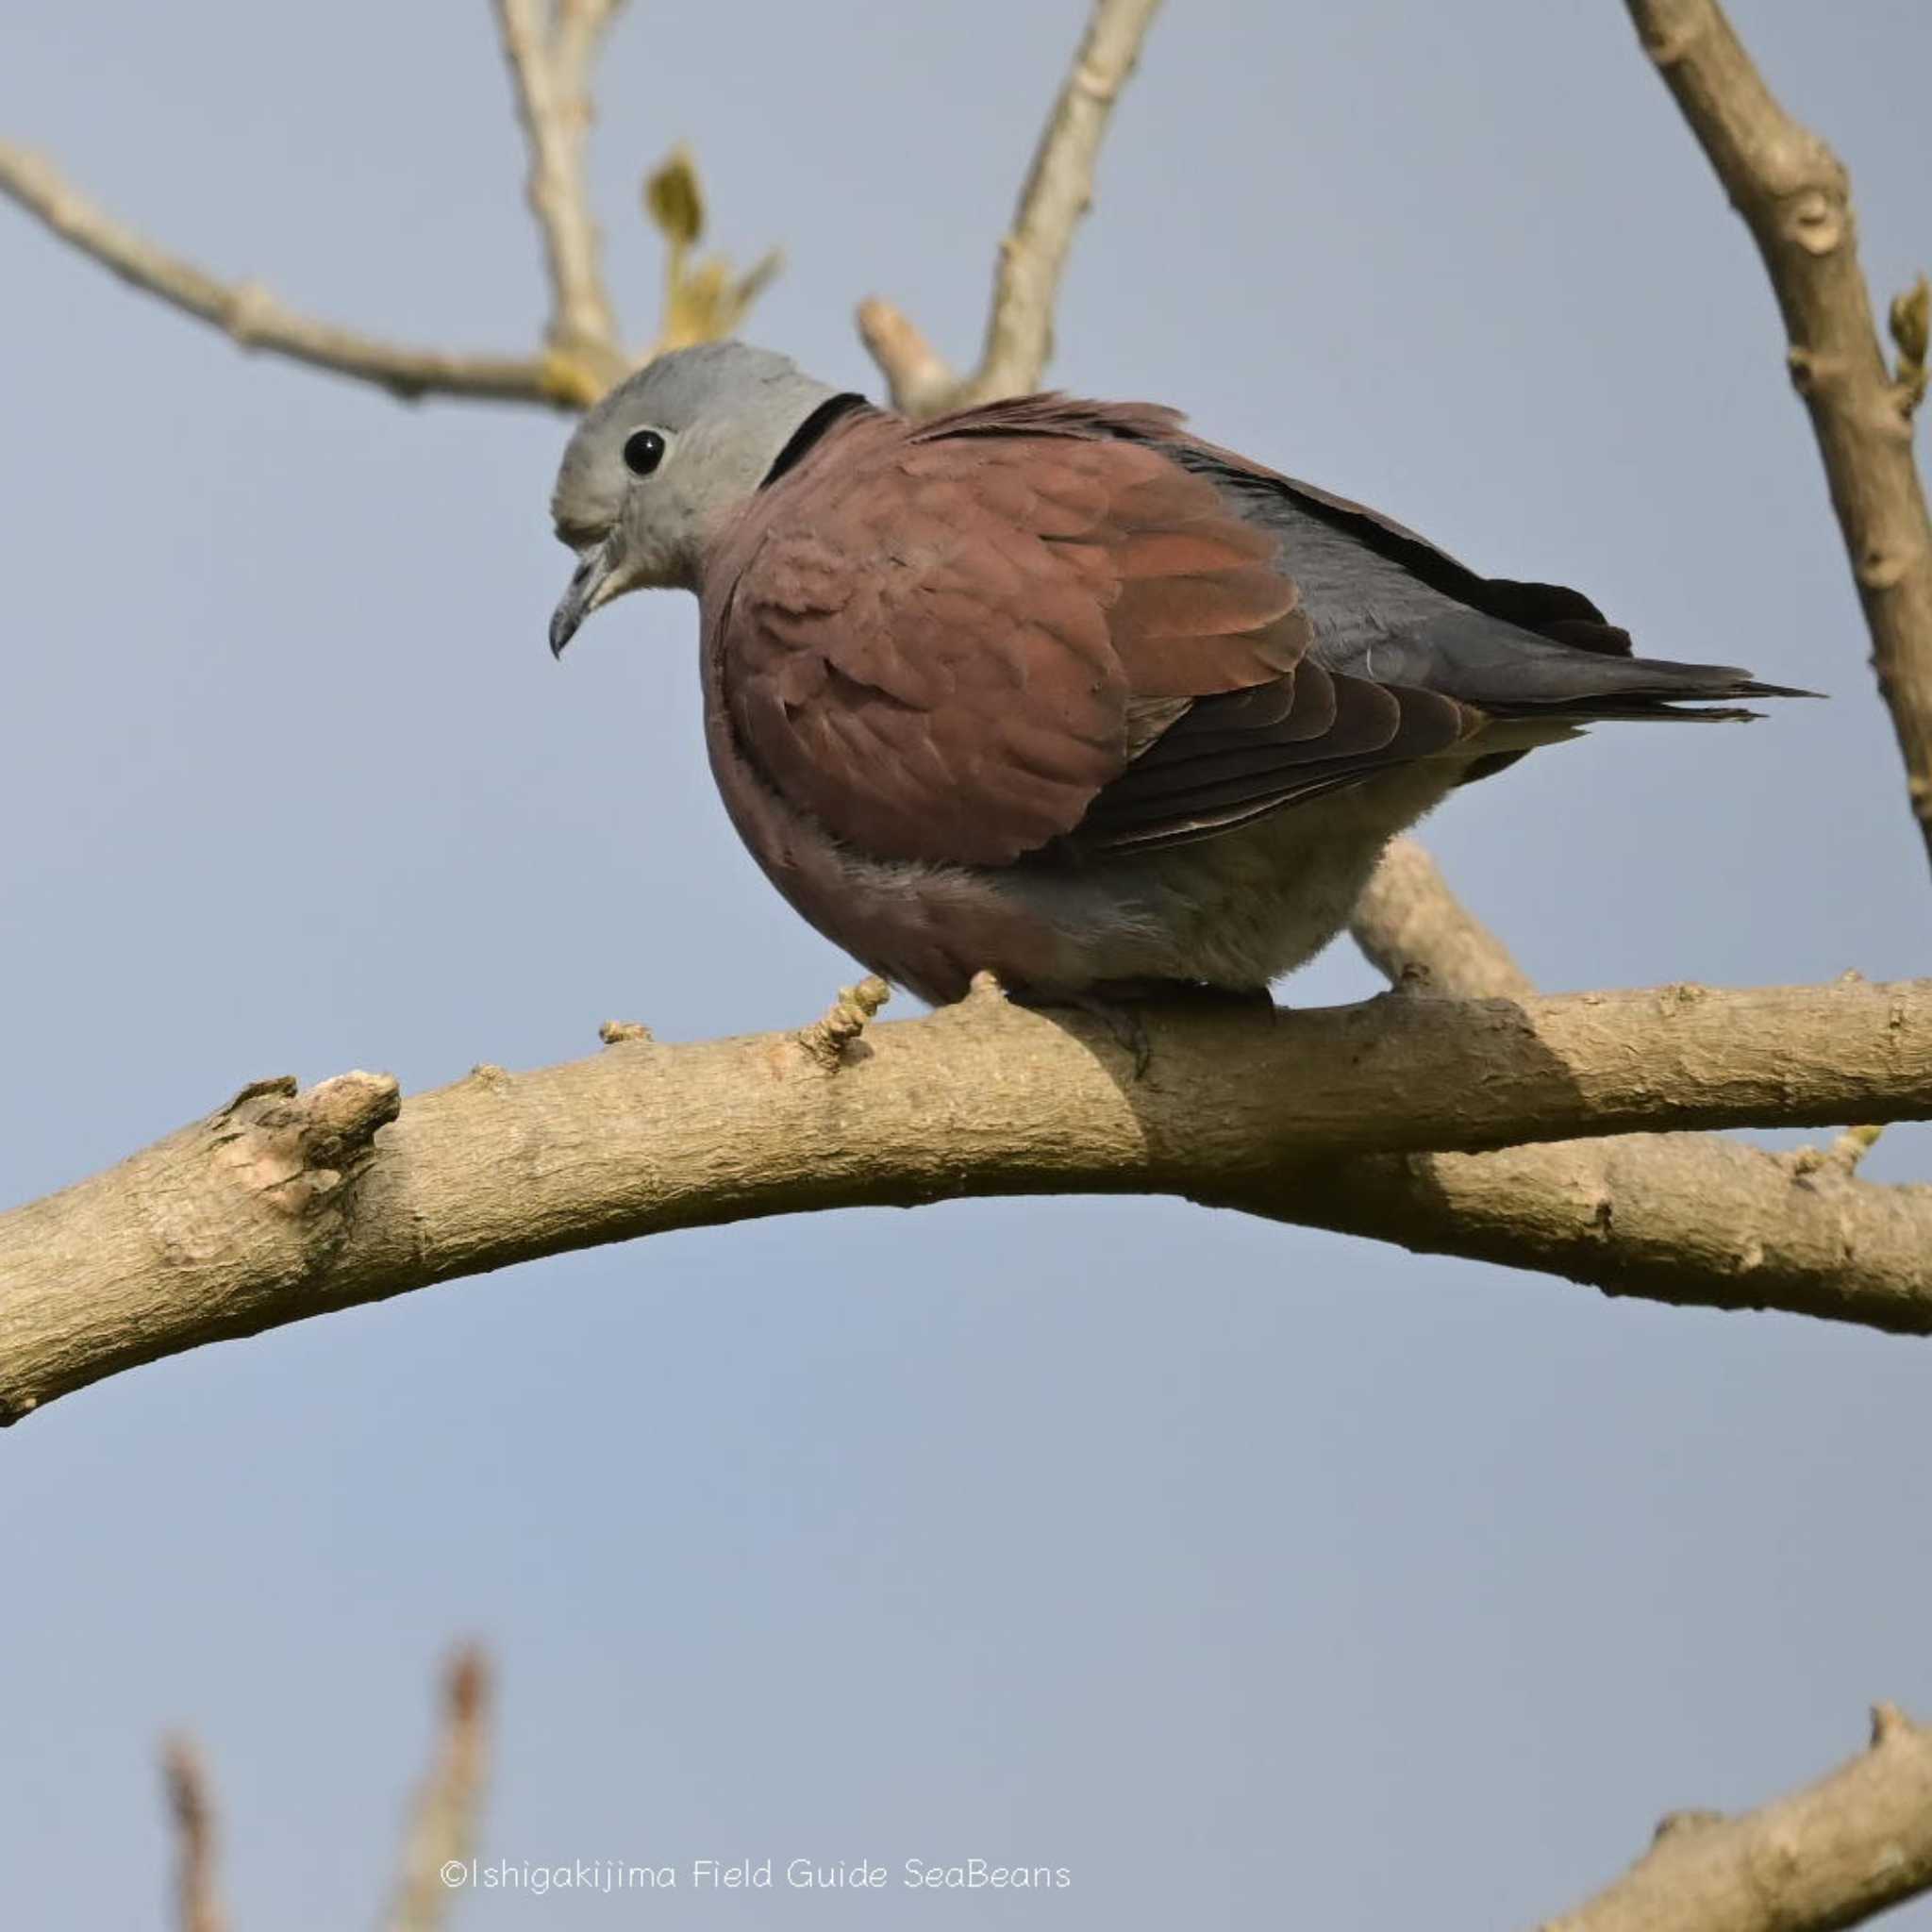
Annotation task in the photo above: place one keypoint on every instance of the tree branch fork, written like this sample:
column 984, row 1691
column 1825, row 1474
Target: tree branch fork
column 286, row 1203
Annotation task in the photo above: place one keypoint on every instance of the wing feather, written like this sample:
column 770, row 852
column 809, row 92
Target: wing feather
column 1029, row 627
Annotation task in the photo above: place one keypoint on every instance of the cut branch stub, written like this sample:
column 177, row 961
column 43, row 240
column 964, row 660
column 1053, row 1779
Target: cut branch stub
column 272, row 1177
column 295, row 1150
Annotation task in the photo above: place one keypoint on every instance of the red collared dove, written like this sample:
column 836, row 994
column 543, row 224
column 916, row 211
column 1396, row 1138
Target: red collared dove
column 1053, row 689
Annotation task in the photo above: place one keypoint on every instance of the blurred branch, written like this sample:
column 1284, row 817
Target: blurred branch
column 284, row 1204
column 1833, row 1855
column 255, row 319
column 1793, row 194
column 196, row 1905
column 1058, row 190
column 443, row 1830
column 550, row 45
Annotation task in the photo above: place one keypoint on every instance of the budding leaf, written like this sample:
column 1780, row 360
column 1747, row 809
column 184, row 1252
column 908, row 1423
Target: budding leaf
column 673, row 199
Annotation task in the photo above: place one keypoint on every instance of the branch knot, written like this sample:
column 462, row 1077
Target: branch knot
column 295, row 1150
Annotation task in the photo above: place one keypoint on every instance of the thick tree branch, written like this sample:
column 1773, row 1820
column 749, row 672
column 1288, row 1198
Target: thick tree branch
column 550, row 45
column 1833, row 1855
column 1033, row 255
column 257, row 320
column 1794, row 196
column 282, row 1205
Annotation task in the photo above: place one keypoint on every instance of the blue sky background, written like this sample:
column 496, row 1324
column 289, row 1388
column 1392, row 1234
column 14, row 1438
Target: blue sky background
column 1247, row 1573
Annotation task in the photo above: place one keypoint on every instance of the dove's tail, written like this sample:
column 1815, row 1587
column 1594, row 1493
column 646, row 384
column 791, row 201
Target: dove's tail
column 1512, row 672
column 1547, row 699
column 1561, row 684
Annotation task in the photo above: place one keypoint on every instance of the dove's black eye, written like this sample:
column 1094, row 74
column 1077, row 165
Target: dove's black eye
column 643, row 450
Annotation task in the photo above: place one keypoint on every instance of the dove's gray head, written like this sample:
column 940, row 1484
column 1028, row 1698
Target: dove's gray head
column 663, row 460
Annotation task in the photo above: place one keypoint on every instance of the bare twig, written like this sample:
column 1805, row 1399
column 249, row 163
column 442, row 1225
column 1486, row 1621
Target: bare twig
column 1058, row 189
column 443, row 1832
column 549, row 45
column 197, row 1908
column 257, row 320
column 283, row 1206
column 826, row 1039
column 1793, row 194
column 916, row 373
column 1833, row 1855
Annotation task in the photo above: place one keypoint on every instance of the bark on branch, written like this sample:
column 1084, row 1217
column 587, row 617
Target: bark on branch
column 283, row 1205
column 1833, row 1855
column 1793, row 194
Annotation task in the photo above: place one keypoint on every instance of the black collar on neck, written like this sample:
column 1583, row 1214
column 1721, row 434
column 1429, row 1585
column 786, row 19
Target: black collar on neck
column 833, row 410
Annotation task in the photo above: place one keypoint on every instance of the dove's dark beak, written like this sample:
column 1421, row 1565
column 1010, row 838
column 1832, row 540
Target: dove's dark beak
column 591, row 583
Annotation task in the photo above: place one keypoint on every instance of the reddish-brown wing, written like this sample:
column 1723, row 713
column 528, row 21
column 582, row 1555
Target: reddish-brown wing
column 950, row 642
